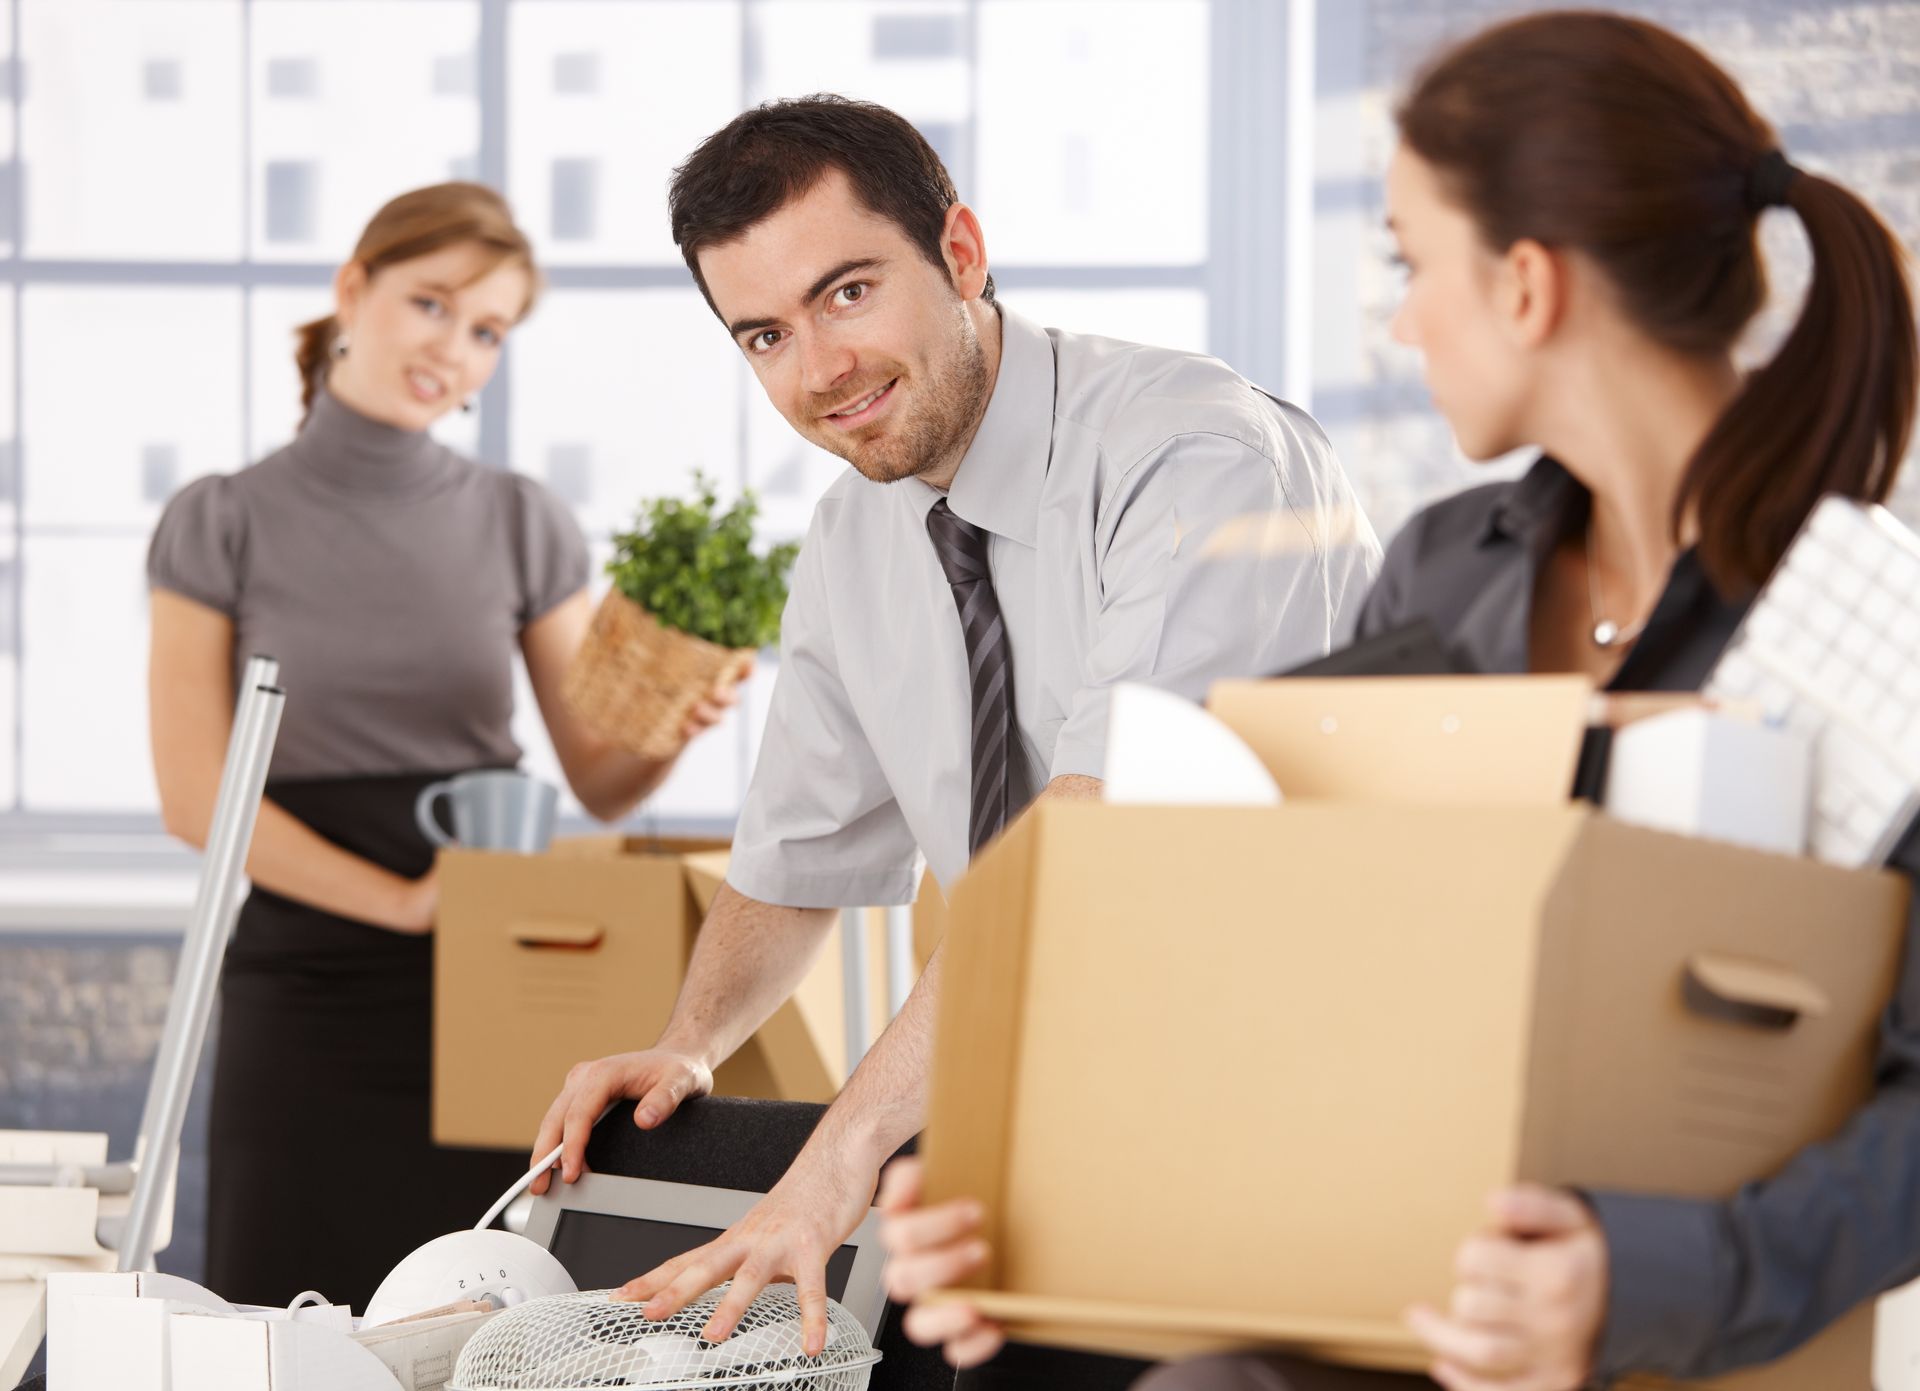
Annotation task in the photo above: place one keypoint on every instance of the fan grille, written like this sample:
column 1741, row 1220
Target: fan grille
column 570, row 1341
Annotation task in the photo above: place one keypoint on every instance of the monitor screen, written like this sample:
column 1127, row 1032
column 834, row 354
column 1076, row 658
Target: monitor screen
column 603, row 1250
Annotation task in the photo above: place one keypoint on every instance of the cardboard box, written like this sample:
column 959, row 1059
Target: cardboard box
column 1414, row 741
column 1245, row 1076
column 422, row 1354
column 543, row 961
column 147, row 1332
column 107, row 1331
column 53, row 1233
column 211, row 1353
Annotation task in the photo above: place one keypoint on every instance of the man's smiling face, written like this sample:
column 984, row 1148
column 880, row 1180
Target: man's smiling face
column 860, row 341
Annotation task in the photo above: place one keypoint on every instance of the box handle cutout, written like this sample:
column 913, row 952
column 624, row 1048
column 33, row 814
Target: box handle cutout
column 558, row 934
column 1741, row 990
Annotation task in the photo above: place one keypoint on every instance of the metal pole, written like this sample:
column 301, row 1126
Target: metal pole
column 216, row 904
column 853, row 967
column 900, row 972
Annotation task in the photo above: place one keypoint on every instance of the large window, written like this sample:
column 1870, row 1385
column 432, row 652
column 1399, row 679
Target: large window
column 179, row 179
column 190, row 172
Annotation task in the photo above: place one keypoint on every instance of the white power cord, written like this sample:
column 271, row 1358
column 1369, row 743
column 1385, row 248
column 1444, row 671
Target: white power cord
column 520, row 1184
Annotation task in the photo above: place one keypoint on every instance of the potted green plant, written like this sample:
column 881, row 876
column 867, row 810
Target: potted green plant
column 692, row 601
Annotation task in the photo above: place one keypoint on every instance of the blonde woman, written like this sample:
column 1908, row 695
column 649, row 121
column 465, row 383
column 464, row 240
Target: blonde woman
column 395, row 581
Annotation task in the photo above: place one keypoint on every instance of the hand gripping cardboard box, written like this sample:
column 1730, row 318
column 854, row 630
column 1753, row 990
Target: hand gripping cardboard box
column 1235, row 1076
column 543, row 961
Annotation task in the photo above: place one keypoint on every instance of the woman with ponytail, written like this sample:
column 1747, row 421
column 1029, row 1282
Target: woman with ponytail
column 1576, row 197
column 396, row 582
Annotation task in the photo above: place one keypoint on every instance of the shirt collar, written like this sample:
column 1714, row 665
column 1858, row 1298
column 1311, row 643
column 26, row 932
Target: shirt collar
column 997, row 486
column 1691, row 622
column 1540, row 508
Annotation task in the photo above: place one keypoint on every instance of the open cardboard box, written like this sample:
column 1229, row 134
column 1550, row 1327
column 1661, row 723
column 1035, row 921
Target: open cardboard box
column 1237, row 1076
column 543, row 961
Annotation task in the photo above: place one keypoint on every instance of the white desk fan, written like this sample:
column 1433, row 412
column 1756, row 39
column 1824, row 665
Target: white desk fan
column 581, row 1340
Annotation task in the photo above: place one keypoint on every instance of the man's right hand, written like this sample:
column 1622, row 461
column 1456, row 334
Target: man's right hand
column 659, row 1079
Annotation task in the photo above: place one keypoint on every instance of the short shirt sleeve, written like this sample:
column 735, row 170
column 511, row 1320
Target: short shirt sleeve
column 820, row 827
column 552, row 552
column 199, row 548
column 1187, row 599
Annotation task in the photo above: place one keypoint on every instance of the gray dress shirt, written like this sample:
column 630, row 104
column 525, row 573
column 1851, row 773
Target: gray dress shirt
column 1695, row 1287
column 1154, row 517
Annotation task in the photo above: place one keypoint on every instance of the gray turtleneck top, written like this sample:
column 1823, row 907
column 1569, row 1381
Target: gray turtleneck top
column 390, row 577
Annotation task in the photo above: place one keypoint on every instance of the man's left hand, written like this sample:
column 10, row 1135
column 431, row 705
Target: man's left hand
column 1529, row 1298
column 788, row 1236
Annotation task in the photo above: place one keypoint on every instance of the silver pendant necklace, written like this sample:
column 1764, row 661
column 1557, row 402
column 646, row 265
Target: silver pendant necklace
column 1606, row 633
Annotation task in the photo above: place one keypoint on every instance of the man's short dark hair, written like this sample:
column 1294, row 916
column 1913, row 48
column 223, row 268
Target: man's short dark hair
column 762, row 159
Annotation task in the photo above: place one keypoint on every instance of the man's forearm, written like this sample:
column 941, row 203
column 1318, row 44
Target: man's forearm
column 884, row 1103
column 747, row 960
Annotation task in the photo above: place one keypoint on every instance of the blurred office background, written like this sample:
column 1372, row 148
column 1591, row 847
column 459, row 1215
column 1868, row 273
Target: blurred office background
column 179, row 178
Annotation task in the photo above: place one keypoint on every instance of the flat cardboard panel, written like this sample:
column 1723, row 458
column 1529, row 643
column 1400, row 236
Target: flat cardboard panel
column 1300, row 1017
column 542, row 961
column 1632, row 1088
column 1620, row 1056
column 1414, row 740
column 1157, row 1331
column 1431, row 996
column 977, row 1045
column 706, row 873
column 1164, row 1007
column 800, row 1053
column 513, row 1012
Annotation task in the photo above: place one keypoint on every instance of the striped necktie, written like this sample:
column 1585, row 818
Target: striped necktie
column 962, row 550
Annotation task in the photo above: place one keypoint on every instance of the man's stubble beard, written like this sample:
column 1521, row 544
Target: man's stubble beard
column 954, row 400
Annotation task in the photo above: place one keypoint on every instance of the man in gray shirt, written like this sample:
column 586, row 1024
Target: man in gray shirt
column 1032, row 517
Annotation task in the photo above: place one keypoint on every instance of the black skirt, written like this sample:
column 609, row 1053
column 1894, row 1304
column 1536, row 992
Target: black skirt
column 322, row 1171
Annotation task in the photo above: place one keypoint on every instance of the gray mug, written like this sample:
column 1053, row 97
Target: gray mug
column 496, row 810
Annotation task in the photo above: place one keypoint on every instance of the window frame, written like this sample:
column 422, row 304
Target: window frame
column 1260, row 95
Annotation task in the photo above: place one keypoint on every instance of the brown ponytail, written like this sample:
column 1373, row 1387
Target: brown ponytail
column 1612, row 136
column 418, row 224
column 312, row 346
column 1830, row 413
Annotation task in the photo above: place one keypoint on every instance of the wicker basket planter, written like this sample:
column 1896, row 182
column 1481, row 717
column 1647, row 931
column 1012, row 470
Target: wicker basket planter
column 635, row 682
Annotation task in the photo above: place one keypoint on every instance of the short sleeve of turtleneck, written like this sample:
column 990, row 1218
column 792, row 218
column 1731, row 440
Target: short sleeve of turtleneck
column 199, row 547
column 391, row 578
column 553, row 553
